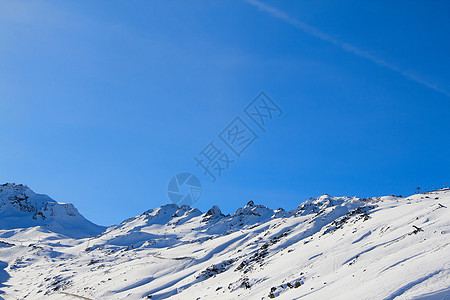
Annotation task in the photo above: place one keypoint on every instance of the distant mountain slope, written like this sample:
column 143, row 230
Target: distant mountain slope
column 20, row 207
column 327, row 248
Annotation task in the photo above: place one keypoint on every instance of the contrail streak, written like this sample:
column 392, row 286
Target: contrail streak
column 343, row 45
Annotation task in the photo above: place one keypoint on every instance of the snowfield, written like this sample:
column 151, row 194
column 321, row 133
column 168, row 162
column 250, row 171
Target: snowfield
column 327, row 248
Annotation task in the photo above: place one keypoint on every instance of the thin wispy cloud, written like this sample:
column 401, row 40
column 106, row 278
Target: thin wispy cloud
column 343, row 45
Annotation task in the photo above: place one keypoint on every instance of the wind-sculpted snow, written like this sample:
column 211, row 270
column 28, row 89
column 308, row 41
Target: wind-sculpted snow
column 327, row 248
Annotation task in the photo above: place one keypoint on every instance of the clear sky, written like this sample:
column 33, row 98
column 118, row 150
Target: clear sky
column 102, row 102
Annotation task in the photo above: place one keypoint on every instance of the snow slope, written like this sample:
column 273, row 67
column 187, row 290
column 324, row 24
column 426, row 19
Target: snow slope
column 20, row 208
column 327, row 248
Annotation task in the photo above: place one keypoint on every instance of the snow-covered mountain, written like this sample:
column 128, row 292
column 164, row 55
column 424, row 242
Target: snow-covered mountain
column 327, row 248
column 21, row 208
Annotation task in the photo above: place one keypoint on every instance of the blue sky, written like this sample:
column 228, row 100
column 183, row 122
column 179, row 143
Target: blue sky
column 102, row 102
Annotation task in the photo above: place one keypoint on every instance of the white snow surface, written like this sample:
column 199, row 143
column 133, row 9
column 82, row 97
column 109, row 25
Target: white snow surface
column 327, row 248
column 21, row 208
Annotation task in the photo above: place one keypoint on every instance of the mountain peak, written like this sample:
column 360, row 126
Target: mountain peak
column 313, row 251
column 20, row 207
column 12, row 188
column 249, row 204
column 214, row 211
